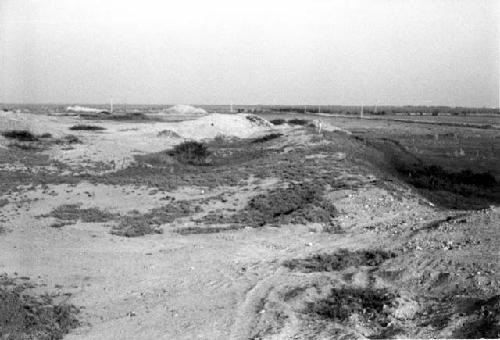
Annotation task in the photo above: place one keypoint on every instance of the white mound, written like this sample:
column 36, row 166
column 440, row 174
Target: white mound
column 217, row 124
column 184, row 110
column 37, row 124
column 82, row 109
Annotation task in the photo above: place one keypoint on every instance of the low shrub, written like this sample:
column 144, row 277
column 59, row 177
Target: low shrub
column 20, row 135
column 131, row 226
column 338, row 260
column 302, row 122
column 59, row 224
column 73, row 212
column 257, row 120
column 71, row 139
column 298, row 204
column 67, row 140
column 25, row 316
column 157, row 159
column 206, row 230
column 138, row 224
column 278, row 121
column 87, row 127
column 266, row 138
column 191, row 152
column 343, row 302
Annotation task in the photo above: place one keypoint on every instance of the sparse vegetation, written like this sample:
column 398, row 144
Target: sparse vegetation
column 296, row 121
column 446, row 179
column 267, row 138
column 137, row 224
column 156, row 159
column 231, row 162
column 134, row 116
column 436, row 178
column 26, row 316
column 296, row 204
column 68, row 139
column 278, row 121
column 87, row 127
column 191, row 152
column 257, row 120
column 370, row 304
column 339, row 260
column 27, row 141
column 60, row 224
column 464, row 189
column 26, row 146
column 20, row 135
column 73, row 212
column 206, row 229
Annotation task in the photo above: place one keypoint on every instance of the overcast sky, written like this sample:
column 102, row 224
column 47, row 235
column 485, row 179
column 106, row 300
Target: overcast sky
column 428, row 52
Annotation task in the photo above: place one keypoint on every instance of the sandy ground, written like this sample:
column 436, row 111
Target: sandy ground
column 227, row 285
column 184, row 287
column 114, row 147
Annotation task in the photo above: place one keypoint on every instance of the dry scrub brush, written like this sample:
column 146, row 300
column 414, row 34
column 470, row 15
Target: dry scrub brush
column 191, row 152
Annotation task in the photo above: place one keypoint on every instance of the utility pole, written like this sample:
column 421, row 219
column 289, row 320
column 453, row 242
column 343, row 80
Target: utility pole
column 111, row 105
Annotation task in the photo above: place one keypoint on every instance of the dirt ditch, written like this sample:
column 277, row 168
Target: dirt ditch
column 445, row 186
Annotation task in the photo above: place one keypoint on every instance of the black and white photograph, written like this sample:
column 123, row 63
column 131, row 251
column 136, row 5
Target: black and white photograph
column 249, row 169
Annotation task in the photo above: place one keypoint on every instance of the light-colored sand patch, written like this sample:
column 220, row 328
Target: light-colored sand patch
column 23, row 168
column 116, row 148
column 121, row 141
column 218, row 124
column 119, row 198
column 113, row 198
column 37, row 124
column 184, row 110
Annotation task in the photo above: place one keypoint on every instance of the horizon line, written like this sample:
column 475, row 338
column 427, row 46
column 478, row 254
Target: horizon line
column 268, row 105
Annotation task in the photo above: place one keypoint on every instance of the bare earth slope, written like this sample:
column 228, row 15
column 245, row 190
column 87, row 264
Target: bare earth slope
column 305, row 235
